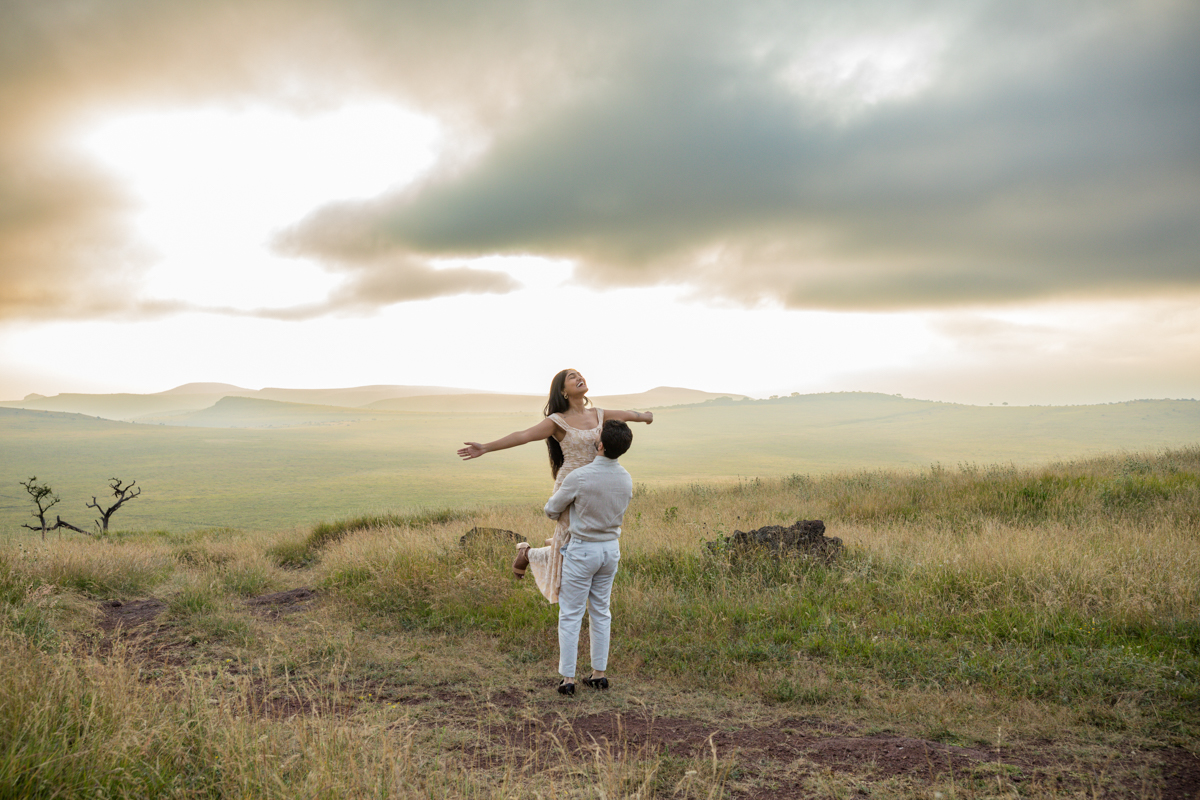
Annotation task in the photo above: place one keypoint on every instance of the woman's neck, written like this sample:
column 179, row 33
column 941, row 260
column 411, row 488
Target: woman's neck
column 576, row 405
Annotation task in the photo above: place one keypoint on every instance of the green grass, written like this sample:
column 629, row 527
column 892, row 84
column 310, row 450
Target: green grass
column 295, row 553
column 401, row 463
column 1051, row 609
column 1047, row 619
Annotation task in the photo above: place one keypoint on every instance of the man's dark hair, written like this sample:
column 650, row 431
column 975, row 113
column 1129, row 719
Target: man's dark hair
column 616, row 438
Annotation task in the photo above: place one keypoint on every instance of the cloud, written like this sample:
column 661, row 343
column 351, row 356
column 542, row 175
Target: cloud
column 1055, row 354
column 374, row 283
column 53, row 219
column 67, row 250
column 888, row 155
column 1043, row 154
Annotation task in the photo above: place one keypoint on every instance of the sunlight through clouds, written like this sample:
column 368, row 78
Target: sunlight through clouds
column 961, row 201
column 213, row 185
column 852, row 74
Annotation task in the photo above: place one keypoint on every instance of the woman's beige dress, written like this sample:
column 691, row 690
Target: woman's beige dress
column 579, row 448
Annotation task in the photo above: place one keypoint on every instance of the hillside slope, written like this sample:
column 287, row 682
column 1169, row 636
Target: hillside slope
column 659, row 397
column 197, row 396
column 231, row 467
column 253, row 412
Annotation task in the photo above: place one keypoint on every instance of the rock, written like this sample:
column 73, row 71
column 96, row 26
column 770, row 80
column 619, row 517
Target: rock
column 805, row 537
column 482, row 536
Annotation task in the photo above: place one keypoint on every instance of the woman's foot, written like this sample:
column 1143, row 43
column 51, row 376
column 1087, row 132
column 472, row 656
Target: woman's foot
column 521, row 561
column 566, row 687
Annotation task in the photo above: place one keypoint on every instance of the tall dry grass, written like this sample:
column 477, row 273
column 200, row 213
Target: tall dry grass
column 1071, row 581
column 1063, row 599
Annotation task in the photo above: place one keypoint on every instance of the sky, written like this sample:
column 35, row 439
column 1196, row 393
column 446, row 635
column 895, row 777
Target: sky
column 969, row 201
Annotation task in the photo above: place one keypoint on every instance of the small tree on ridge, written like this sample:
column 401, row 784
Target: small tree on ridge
column 44, row 498
column 121, row 493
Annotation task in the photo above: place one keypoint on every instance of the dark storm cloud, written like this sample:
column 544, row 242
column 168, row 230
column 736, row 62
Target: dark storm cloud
column 1054, row 153
column 755, row 151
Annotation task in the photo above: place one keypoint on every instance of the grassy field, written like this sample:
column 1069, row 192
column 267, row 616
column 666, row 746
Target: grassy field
column 260, row 464
column 174, row 406
column 989, row 631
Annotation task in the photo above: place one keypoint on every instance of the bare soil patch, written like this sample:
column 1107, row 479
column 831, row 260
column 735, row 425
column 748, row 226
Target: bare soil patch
column 279, row 603
column 117, row 614
column 778, row 761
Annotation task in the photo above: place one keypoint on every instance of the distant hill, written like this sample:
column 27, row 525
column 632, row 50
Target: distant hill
column 176, row 406
column 252, row 412
column 220, row 389
column 359, row 396
column 120, row 406
column 257, row 412
column 465, row 403
column 197, row 396
column 659, row 397
column 249, row 462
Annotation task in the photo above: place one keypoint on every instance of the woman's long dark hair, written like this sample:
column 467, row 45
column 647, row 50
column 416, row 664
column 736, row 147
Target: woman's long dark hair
column 556, row 404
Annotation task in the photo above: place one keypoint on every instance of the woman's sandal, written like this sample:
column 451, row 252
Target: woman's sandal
column 596, row 683
column 521, row 561
column 566, row 688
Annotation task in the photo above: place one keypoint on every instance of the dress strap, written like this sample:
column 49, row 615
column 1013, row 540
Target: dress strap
column 559, row 421
column 599, row 417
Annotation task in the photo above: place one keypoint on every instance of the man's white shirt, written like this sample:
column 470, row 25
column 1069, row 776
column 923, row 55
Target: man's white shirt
column 600, row 492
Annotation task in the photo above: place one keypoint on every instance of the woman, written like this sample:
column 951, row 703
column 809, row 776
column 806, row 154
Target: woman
column 571, row 430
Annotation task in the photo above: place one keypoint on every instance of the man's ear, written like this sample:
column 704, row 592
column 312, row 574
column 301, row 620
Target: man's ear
column 599, row 448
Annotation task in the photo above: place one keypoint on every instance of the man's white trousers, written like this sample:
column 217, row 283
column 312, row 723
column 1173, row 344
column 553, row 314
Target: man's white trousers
column 588, row 570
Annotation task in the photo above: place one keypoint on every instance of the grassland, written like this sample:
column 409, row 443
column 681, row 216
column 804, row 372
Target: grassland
column 269, row 465
column 175, row 405
column 660, row 397
column 990, row 631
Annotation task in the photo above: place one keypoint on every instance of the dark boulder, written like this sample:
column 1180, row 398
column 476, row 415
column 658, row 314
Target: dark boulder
column 478, row 537
column 805, row 537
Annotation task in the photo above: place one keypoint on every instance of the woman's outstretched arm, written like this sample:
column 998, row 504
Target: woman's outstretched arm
column 630, row 416
column 542, row 430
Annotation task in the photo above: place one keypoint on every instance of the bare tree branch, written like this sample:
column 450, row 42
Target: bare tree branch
column 122, row 493
column 44, row 498
column 61, row 524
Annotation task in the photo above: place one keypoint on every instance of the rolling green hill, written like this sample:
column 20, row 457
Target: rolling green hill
column 357, row 396
column 123, row 406
column 251, row 412
column 264, row 464
column 198, row 396
column 533, row 404
column 176, row 406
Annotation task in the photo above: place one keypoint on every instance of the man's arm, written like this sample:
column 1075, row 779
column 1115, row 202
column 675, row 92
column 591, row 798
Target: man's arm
column 561, row 500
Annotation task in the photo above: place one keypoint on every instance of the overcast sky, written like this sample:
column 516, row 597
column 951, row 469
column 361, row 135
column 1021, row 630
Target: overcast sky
column 968, row 201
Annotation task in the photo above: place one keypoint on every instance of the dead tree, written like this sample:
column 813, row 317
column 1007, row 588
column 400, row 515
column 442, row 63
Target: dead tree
column 121, row 493
column 44, row 498
column 61, row 523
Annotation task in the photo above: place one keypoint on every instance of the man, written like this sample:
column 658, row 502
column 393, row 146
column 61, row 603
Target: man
column 597, row 495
